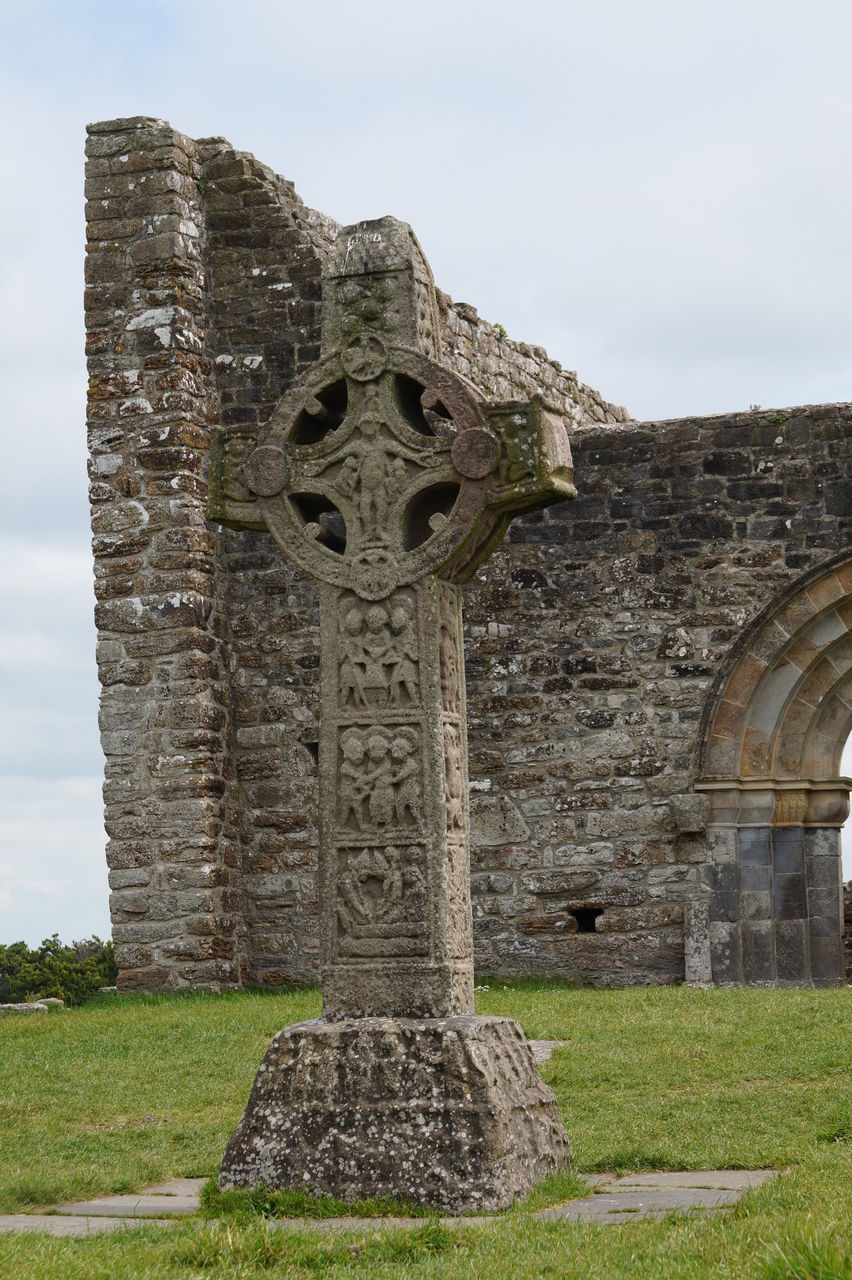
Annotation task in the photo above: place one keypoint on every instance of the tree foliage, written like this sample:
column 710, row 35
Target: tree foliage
column 72, row 974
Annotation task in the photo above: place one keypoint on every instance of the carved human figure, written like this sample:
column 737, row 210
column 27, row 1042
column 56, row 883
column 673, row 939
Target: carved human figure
column 454, row 785
column 449, row 671
column 398, row 476
column 352, row 790
column 407, row 782
column 448, row 654
column 403, row 676
column 415, row 884
column 347, row 476
column 375, row 644
column 375, row 468
column 353, row 908
column 352, row 664
column 379, row 780
column 392, row 908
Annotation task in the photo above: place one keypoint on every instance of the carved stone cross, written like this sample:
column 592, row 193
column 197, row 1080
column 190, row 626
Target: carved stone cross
column 386, row 478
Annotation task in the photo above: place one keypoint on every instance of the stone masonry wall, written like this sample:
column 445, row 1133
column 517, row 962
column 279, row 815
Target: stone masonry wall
column 173, row 853
column 592, row 635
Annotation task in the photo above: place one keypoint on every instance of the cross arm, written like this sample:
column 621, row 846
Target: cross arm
column 533, row 469
column 229, row 500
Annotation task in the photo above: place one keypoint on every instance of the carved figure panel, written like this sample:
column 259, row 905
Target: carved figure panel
column 381, row 901
column 378, row 653
column 380, row 779
column 449, row 656
column 458, row 896
column 454, row 779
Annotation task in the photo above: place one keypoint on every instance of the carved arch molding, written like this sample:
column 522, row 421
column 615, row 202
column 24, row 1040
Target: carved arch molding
column 773, row 735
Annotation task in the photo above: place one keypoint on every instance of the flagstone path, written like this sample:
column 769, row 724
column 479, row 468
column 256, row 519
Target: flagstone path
column 613, row 1200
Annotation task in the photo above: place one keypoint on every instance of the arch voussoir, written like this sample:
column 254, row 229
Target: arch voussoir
column 771, row 758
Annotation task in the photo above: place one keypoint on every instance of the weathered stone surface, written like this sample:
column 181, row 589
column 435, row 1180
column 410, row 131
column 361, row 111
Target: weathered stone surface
column 594, row 636
column 35, row 1006
column 382, row 475
column 698, row 969
column 448, row 1112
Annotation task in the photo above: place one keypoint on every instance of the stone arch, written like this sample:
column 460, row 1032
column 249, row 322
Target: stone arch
column 774, row 730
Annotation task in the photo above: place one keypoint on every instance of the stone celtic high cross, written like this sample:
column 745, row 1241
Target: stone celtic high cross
column 387, row 479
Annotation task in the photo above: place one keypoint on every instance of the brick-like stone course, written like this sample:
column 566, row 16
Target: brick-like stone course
column 593, row 635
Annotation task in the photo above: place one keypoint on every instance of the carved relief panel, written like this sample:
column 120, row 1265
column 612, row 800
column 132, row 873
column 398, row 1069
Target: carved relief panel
column 450, row 655
column 378, row 658
column 380, row 779
column 381, row 901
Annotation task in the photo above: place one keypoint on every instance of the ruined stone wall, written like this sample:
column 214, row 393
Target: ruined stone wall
column 162, row 657
column 593, row 634
column 593, row 640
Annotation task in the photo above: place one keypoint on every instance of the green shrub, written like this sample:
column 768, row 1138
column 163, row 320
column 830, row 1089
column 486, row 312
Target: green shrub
column 72, row 974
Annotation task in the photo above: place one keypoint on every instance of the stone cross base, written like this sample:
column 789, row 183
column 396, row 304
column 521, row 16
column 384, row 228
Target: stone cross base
column 448, row 1112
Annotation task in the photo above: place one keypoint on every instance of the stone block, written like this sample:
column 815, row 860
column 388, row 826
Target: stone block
column 755, row 878
column 824, row 871
column 826, row 951
column 825, row 902
column 756, row 906
column 753, row 846
column 822, row 842
column 725, row 906
column 791, row 951
column 789, row 898
column 446, row 1112
column 788, row 850
column 495, row 820
column 689, row 813
column 758, row 943
column 698, row 967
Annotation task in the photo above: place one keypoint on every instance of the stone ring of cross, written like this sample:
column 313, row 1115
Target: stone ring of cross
column 374, row 467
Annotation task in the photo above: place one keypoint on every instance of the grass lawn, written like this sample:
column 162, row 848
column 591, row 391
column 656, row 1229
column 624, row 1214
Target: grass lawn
column 125, row 1092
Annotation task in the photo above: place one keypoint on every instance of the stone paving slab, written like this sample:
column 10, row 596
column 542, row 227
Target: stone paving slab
column 627, row 1198
column 177, row 1187
column 730, row 1179
column 141, row 1205
column 74, row 1224
column 542, row 1050
column 610, row 1207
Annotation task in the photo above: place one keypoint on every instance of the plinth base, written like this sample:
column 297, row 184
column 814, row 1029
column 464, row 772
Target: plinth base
column 449, row 1112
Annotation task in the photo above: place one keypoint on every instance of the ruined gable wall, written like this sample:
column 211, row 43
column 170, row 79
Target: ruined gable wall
column 162, row 654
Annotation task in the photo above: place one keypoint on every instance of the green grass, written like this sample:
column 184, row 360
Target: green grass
column 126, row 1092
column 264, row 1202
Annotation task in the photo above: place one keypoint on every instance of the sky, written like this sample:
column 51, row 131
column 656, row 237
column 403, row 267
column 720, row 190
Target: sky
column 656, row 191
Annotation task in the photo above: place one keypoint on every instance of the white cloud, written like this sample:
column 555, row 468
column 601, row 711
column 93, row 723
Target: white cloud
column 53, row 875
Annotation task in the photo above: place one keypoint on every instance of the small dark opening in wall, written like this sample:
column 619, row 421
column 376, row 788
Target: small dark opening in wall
column 586, row 918
column 313, row 749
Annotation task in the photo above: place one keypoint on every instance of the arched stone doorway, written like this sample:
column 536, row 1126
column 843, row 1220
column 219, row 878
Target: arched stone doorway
column 774, row 732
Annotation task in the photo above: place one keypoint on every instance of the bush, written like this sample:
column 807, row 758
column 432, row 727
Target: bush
column 72, row 974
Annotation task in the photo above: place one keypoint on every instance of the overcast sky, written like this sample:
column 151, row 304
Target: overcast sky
column 658, row 191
